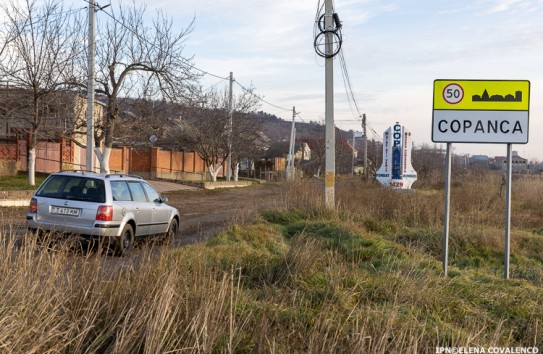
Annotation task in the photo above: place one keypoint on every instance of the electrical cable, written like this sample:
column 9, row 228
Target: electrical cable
column 6, row 23
column 260, row 98
column 186, row 61
column 350, row 92
column 320, row 33
column 299, row 116
column 198, row 69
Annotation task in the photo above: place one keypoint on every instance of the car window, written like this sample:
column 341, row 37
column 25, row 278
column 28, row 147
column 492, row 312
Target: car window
column 120, row 191
column 73, row 184
column 138, row 195
column 73, row 188
column 151, row 193
column 53, row 187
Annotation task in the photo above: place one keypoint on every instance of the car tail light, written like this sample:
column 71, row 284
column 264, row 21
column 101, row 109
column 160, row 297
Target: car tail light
column 104, row 213
column 33, row 207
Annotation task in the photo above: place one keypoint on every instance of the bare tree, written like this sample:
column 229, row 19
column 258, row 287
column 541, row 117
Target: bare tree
column 36, row 60
column 428, row 161
column 249, row 141
column 137, row 60
column 247, row 136
column 144, row 120
column 316, row 141
column 344, row 154
column 206, row 130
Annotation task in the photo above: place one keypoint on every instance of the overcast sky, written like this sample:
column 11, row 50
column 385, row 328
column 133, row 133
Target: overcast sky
column 394, row 50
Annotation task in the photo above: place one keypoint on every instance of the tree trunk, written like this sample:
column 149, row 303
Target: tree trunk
column 236, row 171
column 213, row 172
column 103, row 158
column 32, row 166
column 32, row 157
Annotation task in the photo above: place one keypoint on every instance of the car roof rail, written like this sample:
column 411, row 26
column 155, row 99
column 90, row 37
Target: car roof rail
column 79, row 171
column 123, row 175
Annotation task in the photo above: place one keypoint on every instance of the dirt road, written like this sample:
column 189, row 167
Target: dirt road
column 204, row 213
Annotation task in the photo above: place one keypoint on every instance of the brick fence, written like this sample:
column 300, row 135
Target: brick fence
column 149, row 162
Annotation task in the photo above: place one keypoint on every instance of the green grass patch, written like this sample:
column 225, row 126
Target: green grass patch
column 19, row 182
column 322, row 283
column 284, row 217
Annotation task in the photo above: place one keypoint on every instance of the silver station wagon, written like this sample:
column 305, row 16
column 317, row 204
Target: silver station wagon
column 113, row 208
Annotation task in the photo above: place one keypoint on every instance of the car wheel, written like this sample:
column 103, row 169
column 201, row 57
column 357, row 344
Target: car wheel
column 124, row 241
column 172, row 231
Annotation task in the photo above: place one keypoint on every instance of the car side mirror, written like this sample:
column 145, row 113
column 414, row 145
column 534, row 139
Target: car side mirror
column 163, row 199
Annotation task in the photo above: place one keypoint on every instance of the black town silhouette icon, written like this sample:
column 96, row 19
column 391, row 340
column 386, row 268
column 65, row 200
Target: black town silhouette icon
column 485, row 97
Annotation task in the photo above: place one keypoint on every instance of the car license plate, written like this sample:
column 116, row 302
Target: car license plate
column 64, row 211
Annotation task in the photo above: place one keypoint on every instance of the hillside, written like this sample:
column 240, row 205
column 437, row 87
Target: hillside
column 278, row 129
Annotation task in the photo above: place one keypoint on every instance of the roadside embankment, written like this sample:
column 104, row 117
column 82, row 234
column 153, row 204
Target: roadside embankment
column 15, row 198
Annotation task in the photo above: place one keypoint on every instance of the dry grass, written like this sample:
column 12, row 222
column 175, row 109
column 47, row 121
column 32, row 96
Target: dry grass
column 366, row 278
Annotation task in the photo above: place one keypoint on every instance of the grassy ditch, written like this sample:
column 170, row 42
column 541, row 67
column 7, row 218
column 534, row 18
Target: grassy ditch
column 297, row 278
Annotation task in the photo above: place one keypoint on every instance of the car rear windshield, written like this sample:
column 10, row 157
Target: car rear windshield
column 73, row 188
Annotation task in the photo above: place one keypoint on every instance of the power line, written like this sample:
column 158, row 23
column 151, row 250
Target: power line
column 260, row 98
column 299, row 116
column 8, row 22
column 347, row 83
column 350, row 92
column 215, row 84
column 192, row 66
column 186, row 61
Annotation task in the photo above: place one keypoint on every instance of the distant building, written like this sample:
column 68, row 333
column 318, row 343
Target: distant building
column 271, row 163
column 536, row 168
column 519, row 164
column 461, row 160
column 480, row 161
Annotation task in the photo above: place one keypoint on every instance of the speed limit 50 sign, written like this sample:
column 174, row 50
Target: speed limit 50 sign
column 480, row 111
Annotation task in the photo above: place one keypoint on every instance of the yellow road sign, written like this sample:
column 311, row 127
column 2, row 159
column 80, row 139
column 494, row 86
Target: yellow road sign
column 482, row 95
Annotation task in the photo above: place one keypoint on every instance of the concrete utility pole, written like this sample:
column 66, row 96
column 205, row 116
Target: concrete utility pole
column 229, row 158
column 290, row 164
column 90, row 89
column 330, row 173
column 365, row 147
column 352, row 167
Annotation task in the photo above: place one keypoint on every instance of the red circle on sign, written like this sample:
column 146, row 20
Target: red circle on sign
column 453, row 93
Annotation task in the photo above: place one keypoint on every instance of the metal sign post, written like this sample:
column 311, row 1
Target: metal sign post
column 508, row 174
column 478, row 111
column 446, row 213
